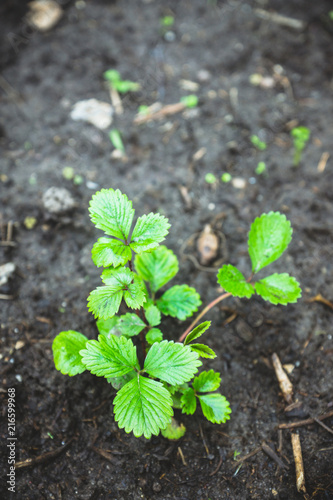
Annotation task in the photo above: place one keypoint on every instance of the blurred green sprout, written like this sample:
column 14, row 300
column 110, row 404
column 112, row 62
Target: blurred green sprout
column 257, row 143
column 300, row 136
column 115, row 81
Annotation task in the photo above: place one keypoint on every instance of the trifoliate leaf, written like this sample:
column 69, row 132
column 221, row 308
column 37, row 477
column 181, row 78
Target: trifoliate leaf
column 180, row 301
column 66, row 349
column 108, row 326
column 143, row 406
column 112, row 212
column 130, row 324
column 233, row 281
column 207, row 381
column 104, row 302
column 153, row 315
column 173, row 363
column 110, row 252
column 215, row 407
column 154, row 335
column 188, row 402
column 197, row 332
column 135, row 295
column 279, row 289
column 157, row 267
column 203, row 350
column 110, row 357
column 148, row 232
column 269, row 236
column 174, row 430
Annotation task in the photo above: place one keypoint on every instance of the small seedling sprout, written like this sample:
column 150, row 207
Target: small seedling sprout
column 226, row 177
column 167, row 21
column 116, row 140
column 261, row 168
column 257, row 143
column 190, row 101
column 115, row 81
column 300, row 136
column 210, row 178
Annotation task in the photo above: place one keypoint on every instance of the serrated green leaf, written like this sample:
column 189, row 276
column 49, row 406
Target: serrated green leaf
column 269, row 236
column 135, row 295
column 207, row 381
column 154, row 335
column 173, row 363
column 157, row 267
column 215, row 408
column 112, row 212
column 130, row 324
column 180, row 301
column 188, row 402
column 143, row 406
column 174, row 430
column 110, row 357
column 110, row 252
column 203, row 350
column 108, row 326
column 153, row 315
column 279, row 289
column 104, row 302
column 233, row 281
column 66, row 352
column 197, row 332
column 148, row 232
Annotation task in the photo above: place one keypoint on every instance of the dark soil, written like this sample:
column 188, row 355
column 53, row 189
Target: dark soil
column 42, row 76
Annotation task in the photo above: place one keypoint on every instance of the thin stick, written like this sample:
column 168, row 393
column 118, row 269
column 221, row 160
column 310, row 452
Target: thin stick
column 169, row 109
column 284, row 382
column 43, row 458
column 308, row 421
column 203, row 312
column 180, row 451
column 324, row 426
column 299, row 468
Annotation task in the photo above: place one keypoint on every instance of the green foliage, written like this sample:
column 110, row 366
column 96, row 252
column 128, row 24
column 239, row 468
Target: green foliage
column 300, row 136
column 210, row 178
column 148, row 232
column 153, row 315
column 131, row 324
column 66, row 352
column 215, row 408
column 112, row 212
column 279, row 289
column 207, row 381
column 269, row 236
column 157, row 267
column 233, row 281
column 261, row 168
column 173, row 430
column 110, row 252
column 180, row 301
column 167, row 21
column 190, row 101
column 116, row 140
column 154, row 335
column 203, row 351
column 173, row 363
column 226, row 177
column 143, row 406
column 197, row 332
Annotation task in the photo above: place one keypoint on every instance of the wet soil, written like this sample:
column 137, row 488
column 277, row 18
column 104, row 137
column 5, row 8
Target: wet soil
column 65, row 425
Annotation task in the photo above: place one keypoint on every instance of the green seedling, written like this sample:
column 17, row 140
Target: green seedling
column 151, row 375
column 226, row 177
column 116, row 140
column 269, row 237
column 300, row 136
column 257, row 143
column 261, row 168
column 330, row 15
column 210, row 178
column 113, row 78
column 167, row 21
column 190, row 101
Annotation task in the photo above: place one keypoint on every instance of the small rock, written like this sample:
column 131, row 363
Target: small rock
column 204, row 75
column 157, row 487
column 238, row 182
column 97, row 113
column 44, row 14
column 58, row 200
column 6, row 270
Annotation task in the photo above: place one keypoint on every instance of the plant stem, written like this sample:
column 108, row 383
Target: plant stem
column 203, row 312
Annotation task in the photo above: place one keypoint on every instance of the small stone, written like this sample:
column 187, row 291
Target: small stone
column 58, row 200
column 44, row 14
column 204, row 75
column 96, row 112
column 6, row 271
column 157, row 487
column 238, row 182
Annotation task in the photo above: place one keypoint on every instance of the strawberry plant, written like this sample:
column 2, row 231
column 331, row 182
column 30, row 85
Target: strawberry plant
column 153, row 375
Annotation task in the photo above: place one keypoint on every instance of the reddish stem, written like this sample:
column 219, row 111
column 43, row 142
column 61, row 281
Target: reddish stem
column 203, row 312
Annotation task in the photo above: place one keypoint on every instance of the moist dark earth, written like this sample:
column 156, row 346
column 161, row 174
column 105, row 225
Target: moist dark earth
column 65, row 425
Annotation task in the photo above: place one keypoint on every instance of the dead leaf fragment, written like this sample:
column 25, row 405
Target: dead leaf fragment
column 207, row 245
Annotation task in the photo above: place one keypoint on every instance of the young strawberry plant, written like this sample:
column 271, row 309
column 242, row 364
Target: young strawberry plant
column 153, row 375
column 150, row 375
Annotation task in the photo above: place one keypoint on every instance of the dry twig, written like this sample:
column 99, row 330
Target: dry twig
column 284, row 382
column 299, row 468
